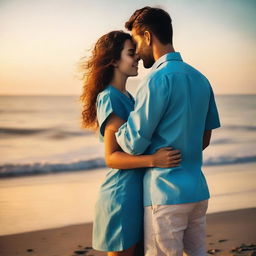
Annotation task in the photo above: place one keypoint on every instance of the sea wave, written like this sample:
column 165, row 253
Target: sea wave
column 240, row 127
column 225, row 160
column 50, row 132
column 8, row 170
column 222, row 141
column 21, row 131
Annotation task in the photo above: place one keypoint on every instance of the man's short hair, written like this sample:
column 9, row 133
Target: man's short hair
column 155, row 20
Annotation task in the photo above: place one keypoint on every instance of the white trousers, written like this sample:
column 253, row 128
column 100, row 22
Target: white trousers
column 170, row 230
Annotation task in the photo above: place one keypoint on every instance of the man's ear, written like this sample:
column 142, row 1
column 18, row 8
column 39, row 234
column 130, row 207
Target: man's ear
column 148, row 37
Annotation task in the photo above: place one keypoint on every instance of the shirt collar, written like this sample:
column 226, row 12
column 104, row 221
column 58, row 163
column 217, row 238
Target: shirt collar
column 167, row 57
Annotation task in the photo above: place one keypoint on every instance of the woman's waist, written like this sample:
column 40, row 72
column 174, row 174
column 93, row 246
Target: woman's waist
column 119, row 177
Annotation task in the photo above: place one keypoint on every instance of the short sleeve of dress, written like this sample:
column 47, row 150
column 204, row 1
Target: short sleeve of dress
column 106, row 105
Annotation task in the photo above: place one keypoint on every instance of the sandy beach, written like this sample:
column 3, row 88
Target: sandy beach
column 226, row 231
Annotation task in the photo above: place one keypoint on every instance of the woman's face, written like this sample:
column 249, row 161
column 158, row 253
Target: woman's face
column 128, row 63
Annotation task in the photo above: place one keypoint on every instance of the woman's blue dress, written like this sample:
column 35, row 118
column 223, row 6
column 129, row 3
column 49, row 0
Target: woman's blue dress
column 118, row 220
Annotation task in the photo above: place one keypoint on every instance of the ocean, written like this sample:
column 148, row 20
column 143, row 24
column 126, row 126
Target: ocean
column 42, row 134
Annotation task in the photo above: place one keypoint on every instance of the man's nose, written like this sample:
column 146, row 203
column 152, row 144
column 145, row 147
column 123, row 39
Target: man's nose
column 137, row 57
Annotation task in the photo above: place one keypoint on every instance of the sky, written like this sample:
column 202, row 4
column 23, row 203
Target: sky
column 42, row 41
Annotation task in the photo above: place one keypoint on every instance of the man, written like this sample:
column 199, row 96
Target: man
column 174, row 107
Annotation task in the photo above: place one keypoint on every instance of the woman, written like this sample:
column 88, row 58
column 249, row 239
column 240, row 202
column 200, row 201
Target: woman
column 118, row 223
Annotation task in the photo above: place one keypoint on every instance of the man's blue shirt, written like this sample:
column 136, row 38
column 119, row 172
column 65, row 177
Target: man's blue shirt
column 174, row 106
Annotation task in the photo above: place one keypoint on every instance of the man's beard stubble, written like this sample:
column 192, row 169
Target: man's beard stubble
column 147, row 57
column 148, row 60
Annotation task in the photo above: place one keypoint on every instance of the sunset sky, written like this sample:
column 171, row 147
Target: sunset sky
column 43, row 40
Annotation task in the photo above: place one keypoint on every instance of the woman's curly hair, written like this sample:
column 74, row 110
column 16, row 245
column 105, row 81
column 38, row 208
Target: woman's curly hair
column 98, row 71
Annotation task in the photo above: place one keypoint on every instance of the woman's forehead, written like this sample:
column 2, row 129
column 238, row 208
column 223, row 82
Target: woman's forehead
column 129, row 45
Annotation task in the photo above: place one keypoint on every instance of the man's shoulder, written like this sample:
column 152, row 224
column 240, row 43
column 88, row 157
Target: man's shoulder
column 168, row 71
column 176, row 68
column 193, row 71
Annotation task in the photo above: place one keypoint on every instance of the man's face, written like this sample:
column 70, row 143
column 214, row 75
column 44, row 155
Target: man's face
column 143, row 49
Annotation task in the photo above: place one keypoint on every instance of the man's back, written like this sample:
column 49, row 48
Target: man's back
column 183, row 124
column 176, row 105
column 182, row 127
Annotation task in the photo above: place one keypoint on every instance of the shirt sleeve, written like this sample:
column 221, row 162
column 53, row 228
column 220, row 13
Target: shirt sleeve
column 212, row 119
column 106, row 105
column 150, row 104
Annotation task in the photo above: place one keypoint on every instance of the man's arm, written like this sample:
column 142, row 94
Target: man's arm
column 206, row 138
column 151, row 101
column 212, row 120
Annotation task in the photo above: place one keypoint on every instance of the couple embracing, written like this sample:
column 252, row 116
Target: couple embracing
column 154, row 198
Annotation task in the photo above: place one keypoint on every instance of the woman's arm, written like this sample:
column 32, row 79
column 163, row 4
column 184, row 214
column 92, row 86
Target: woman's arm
column 116, row 158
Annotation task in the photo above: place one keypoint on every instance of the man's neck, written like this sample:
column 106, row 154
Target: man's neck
column 160, row 50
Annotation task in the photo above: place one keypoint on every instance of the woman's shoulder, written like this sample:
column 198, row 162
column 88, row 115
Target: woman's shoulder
column 104, row 93
column 107, row 95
